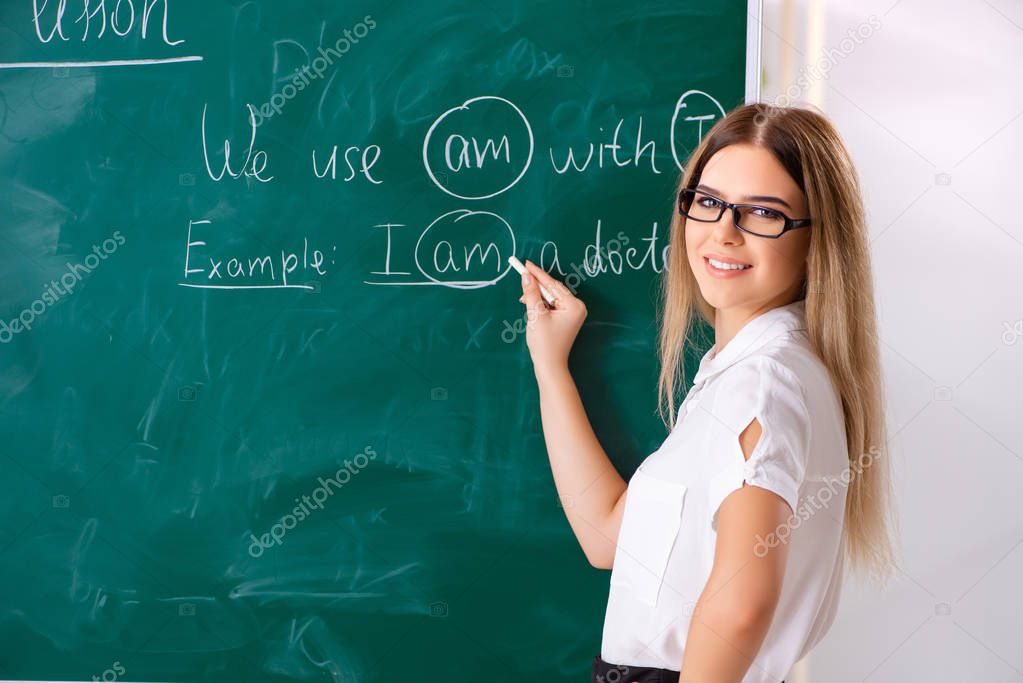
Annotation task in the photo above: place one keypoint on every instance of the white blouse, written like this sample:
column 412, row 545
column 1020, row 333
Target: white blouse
column 665, row 548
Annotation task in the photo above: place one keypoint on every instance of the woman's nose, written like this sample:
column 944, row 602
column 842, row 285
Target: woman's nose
column 724, row 228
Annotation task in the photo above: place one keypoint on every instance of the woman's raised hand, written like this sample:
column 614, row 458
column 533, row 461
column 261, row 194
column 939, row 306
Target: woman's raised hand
column 550, row 329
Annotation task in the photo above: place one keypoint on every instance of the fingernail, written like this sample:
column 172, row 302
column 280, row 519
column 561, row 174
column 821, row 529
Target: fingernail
column 526, row 278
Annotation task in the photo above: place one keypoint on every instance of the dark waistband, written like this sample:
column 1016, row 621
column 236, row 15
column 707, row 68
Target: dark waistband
column 605, row 672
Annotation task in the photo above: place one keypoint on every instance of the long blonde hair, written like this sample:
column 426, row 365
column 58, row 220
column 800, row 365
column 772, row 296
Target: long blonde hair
column 840, row 317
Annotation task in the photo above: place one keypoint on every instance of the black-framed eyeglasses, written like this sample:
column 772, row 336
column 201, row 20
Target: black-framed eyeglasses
column 754, row 219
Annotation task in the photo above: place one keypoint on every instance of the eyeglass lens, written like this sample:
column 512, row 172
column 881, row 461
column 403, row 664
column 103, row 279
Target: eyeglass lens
column 704, row 207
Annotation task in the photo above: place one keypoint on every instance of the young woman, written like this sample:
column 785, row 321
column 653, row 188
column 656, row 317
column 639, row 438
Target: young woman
column 728, row 545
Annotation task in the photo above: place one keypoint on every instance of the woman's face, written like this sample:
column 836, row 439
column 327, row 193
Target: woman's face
column 734, row 174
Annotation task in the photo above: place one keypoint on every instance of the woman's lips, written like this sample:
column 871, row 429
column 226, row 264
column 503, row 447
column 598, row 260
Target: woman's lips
column 724, row 274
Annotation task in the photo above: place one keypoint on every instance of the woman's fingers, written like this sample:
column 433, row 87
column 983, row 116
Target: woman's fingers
column 531, row 294
column 554, row 286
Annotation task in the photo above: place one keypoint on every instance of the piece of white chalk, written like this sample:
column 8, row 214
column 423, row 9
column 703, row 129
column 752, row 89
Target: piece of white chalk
column 518, row 265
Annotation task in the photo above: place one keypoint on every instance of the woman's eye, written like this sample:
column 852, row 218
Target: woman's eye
column 707, row 202
column 766, row 213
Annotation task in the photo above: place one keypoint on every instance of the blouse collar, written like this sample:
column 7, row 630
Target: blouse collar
column 752, row 336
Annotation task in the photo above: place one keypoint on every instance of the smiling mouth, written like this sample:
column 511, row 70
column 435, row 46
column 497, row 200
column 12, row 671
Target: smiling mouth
column 721, row 265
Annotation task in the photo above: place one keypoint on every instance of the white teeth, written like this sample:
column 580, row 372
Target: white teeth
column 726, row 266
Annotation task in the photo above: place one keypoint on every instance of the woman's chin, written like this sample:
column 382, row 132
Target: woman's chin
column 724, row 295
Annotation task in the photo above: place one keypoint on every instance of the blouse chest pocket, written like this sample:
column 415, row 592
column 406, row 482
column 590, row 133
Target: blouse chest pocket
column 650, row 524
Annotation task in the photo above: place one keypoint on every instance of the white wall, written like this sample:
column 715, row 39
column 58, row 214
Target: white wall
column 930, row 105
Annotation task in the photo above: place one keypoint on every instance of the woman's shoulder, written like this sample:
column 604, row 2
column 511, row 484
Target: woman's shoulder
column 791, row 360
column 791, row 372
column 788, row 362
column 784, row 372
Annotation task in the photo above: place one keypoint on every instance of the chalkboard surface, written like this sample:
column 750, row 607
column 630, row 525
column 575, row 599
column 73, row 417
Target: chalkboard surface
column 267, row 410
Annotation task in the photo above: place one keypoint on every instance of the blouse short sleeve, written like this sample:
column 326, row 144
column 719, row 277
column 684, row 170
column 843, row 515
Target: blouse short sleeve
column 764, row 389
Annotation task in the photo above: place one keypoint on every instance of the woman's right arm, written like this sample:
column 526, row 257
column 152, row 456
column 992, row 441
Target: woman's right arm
column 592, row 492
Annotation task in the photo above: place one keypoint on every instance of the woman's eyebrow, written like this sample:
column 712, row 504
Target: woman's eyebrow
column 749, row 197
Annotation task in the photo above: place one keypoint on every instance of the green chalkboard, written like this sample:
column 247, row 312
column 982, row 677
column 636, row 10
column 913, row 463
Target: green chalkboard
column 267, row 410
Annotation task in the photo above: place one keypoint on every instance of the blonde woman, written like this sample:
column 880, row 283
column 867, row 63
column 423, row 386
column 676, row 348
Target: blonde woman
column 728, row 545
